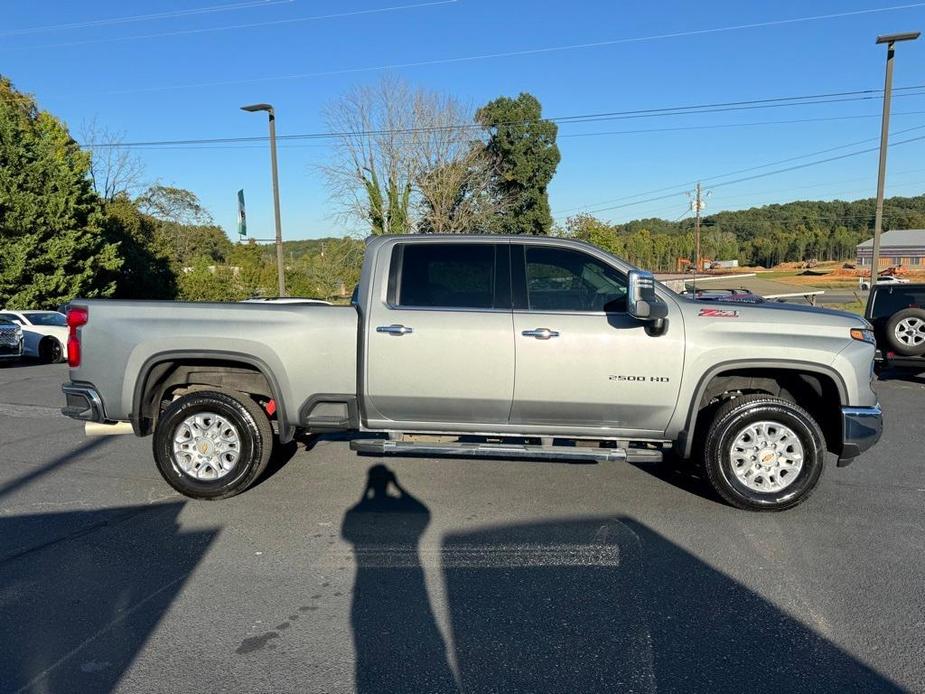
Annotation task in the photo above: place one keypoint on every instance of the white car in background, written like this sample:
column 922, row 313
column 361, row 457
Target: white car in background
column 882, row 279
column 44, row 333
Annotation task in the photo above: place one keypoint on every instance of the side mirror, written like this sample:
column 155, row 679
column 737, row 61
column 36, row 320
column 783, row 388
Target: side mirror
column 642, row 302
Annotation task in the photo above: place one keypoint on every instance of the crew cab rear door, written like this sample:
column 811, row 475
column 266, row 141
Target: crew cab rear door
column 582, row 362
column 439, row 338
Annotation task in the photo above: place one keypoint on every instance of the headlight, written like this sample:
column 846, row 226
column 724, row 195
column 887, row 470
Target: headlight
column 863, row 335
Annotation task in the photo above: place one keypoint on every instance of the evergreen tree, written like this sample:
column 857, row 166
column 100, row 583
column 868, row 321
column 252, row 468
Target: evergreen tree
column 52, row 246
column 522, row 147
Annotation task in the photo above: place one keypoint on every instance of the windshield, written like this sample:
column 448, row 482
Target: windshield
column 46, row 318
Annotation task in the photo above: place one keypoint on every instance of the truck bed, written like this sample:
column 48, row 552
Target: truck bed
column 307, row 348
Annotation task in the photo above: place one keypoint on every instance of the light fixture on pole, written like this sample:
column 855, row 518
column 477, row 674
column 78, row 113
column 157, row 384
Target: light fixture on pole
column 280, row 268
column 889, row 40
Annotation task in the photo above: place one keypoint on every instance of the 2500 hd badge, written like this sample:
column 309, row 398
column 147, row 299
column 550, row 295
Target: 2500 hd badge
column 637, row 379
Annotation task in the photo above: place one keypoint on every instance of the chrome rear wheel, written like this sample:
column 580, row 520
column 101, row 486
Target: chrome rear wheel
column 206, row 446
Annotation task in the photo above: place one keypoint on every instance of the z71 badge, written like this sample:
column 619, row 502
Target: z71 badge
column 718, row 313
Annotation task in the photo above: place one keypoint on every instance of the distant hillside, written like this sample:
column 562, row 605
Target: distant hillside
column 758, row 236
column 305, row 248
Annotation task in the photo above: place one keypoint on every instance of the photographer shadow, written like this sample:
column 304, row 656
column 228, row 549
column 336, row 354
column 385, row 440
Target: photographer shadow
column 399, row 647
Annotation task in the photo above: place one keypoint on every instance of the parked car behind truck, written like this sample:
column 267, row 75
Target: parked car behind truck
column 898, row 316
column 482, row 337
column 10, row 341
column 44, row 333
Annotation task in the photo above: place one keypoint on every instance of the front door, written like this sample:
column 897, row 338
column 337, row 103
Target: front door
column 581, row 360
column 440, row 347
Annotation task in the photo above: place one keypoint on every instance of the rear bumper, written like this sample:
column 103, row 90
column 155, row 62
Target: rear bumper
column 896, row 361
column 861, row 429
column 83, row 403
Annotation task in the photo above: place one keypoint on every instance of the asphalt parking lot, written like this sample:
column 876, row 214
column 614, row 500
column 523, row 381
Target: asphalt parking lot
column 471, row 576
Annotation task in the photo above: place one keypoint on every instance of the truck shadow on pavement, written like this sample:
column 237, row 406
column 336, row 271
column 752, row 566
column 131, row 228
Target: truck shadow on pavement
column 903, row 375
column 598, row 604
column 82, row 591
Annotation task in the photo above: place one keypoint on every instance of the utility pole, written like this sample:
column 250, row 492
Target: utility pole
column 697, row 204
column 889, row 40
column 280, row 263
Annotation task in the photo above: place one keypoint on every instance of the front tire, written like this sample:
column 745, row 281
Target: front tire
column 211, row 444
column 764, row 453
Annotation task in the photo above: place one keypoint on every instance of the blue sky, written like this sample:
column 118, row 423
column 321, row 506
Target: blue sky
column 183, row 74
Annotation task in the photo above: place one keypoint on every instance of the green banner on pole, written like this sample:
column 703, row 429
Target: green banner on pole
column 242, row 216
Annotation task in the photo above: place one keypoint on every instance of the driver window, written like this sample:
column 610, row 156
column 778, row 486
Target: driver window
column 559, row 279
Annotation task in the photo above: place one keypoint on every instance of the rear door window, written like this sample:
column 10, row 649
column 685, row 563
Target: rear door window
column 445, row 275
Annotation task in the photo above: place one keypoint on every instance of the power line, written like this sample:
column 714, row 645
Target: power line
column 809, row 99
column 827, row 184
column 250, row 25
column 762, row 175
column 792, row 190
column 733, row 125
column 254, row 142
column 814, row 163
column 724, row 175
column 544, row 50
column 92, row 23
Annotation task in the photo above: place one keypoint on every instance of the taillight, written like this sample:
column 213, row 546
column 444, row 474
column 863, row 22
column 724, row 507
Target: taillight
column 76, row 317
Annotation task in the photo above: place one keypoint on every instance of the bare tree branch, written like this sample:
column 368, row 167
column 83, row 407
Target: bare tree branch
column 404, row 161
column 114, row 169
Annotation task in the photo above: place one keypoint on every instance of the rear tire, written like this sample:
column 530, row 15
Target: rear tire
column 50, row 351
column 763, row 453
column 212, row 444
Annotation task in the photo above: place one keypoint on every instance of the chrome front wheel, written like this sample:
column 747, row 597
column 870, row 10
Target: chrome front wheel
column 763, row 453
column 766, row 456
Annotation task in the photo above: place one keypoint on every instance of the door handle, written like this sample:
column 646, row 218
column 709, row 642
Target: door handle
column 394, row 329
column 541, row 333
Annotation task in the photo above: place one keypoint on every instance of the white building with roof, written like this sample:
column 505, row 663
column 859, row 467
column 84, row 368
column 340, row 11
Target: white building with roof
column 905, row 247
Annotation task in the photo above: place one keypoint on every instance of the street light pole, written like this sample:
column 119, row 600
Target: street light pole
column 280, row 266
column 890, row 40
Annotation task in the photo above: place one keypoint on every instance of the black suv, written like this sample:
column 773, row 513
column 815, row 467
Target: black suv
column 897, row 312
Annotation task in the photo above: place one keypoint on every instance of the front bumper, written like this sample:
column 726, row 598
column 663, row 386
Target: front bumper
column 861, row 429
column 83, row 402
column 11, row 350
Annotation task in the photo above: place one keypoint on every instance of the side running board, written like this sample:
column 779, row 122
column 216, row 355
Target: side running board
column 503, row 450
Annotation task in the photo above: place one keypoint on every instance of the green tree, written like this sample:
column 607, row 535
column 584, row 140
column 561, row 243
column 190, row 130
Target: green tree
column 52, row 245
column 206, row 282
column 146, row 268
column 255, row 270
column 522, row 147
column 183, row 227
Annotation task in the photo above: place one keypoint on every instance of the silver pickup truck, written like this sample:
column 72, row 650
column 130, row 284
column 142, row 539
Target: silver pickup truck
column 486, row 346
